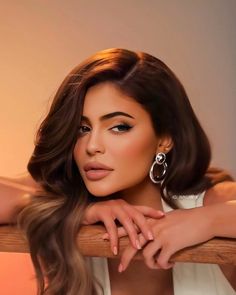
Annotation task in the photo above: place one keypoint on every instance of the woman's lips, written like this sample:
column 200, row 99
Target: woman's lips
column 96, row 174
column 96, row 171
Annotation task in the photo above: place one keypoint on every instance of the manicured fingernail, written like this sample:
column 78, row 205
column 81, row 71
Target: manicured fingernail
column 138, row 244
column 115, row 251
column 120, row 268
column 150, row 236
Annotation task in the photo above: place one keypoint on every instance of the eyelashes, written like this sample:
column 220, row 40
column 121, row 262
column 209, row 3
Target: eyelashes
column 84, row 129
column 119, row 128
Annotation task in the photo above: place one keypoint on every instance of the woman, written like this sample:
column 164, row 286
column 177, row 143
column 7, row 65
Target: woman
column 118, row 118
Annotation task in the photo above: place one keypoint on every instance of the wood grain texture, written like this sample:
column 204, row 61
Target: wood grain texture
column 90, row 243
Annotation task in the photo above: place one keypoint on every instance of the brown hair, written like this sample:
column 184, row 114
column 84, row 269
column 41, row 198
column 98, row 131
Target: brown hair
column 53, row 218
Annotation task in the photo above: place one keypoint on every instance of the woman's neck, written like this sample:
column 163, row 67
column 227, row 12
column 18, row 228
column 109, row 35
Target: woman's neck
column 144, row 194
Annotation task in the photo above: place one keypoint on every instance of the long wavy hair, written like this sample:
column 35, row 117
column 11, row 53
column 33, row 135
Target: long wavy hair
column 53, row 218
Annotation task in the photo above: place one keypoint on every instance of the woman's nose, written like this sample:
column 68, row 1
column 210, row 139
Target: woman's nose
column 95, row 144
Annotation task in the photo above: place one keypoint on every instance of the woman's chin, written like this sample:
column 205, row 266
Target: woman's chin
column 101, row 192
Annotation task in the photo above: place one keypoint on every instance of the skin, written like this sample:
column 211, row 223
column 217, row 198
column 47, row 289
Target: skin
column 117, row 132
column 131, row 156
column 14, row 195
column 213, row 219
column 130, row 152
column 217, row 201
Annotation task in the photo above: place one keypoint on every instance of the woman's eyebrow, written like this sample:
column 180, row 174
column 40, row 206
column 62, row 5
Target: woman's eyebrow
column 114, row 114
column 109, row 116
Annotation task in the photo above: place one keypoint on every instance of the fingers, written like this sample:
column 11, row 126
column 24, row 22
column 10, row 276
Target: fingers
column 163, row 258
column 143, row 225
column 121, row 232
column 156, row 256
column 133, row 220
column 142, row 222
column 150, row 212
column 113, row 234
column 149, row 254
column 129, row 253
column 129, row 228
column 126, row 219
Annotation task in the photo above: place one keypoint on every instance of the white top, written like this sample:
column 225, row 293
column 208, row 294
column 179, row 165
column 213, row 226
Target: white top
column 188, row 278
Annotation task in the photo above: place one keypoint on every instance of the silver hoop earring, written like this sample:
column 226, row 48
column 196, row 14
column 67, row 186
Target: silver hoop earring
column 159, row 160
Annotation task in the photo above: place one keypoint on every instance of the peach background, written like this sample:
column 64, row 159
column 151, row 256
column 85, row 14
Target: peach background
column 42, row 40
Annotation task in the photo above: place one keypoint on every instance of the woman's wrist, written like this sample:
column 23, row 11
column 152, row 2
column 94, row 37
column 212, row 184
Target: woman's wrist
column 88, row 215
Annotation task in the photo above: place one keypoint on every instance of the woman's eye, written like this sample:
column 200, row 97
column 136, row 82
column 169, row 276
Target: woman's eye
column 121, row 128
column 83, row 129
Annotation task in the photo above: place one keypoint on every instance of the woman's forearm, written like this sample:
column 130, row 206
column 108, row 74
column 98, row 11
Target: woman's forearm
column 14, row 196
column 223, row 216
column 220, row 208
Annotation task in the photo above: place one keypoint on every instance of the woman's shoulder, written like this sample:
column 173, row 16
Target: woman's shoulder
column 221, row 192
column 222, row 186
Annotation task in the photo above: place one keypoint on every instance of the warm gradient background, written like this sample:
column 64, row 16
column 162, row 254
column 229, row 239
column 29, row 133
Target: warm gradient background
column 40, row 41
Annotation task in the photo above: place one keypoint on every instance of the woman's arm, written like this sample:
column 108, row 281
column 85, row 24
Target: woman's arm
column 14, row 195
column 220, row 203
column 187, row 227
column 132, row 218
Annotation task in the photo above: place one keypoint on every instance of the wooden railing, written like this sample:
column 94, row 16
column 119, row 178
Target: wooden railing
column 90, row 243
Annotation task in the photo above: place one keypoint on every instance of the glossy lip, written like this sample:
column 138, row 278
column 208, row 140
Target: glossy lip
column 96, row 170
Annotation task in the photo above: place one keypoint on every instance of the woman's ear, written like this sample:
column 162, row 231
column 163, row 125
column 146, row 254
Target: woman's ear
column 165, row 144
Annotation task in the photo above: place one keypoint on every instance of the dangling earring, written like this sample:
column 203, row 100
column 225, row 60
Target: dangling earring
column 159, row 160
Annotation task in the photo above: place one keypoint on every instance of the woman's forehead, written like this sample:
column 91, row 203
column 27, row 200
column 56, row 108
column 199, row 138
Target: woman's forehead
column 105, row 98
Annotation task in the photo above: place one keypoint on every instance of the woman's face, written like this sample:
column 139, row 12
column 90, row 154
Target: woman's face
column 116, row 144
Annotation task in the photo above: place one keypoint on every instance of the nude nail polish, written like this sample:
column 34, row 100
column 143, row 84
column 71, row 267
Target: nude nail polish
column 150, row 236
column 120, row 268
column 138, row 244
column 115, row 251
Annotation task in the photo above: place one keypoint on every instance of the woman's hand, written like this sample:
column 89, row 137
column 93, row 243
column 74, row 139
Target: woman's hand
column 177, row 230
column 133, row 219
